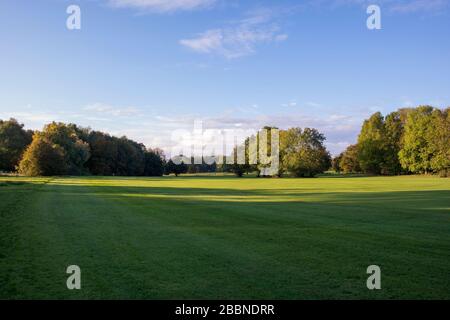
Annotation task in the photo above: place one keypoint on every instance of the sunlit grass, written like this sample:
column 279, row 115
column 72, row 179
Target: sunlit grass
column 224, row 237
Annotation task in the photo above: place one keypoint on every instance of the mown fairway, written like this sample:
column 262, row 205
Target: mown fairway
column 224, row 237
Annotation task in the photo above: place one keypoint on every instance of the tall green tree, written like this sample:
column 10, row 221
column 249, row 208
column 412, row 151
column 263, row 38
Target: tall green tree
column 417, row 152
column 303, row 152
column 372, row 148
column 439, row 141
column 103, row 150
column 130, row 159
column 13, row 142
column 393, row 143
column 349, row 162
column 154, row 163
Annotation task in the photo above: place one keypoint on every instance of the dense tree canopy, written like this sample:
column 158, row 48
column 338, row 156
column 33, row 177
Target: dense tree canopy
column 440, row 141
column 153, row 163
column 372, row 148
column 413, row 140
column 349, row 162
column 79, row 151
column 393, row 132
column 425, row 140
column 130, row 158
column 303, row 153
column 103, row 149
column 43, row 158
column 13, row 142
column 76, row 151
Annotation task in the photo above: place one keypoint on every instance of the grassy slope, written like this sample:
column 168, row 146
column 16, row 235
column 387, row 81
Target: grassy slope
column 225, row 237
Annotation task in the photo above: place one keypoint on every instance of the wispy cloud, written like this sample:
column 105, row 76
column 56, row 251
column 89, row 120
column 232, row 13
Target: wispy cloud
column 162, row 6
column 106, row 109
column 313, row 104
column 340, row 129
column 292, row 103
column 29, row 117
column 240, row 39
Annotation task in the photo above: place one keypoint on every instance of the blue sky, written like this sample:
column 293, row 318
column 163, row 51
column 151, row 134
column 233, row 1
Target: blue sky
column 143, row 68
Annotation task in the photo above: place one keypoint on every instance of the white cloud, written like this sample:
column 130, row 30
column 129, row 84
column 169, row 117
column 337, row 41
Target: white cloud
column 106, row 109
column 340, row 129
column 313, row 104
column 238, row 40
column 29, row 117
column 281, row 37
column 293, row 103
column 162, row 6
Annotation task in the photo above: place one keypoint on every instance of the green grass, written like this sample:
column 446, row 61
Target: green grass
column 225, row 238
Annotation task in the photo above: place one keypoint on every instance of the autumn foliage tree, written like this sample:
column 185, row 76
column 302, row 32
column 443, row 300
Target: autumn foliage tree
column 76, row 151
column 80, row 151
column 43, row 158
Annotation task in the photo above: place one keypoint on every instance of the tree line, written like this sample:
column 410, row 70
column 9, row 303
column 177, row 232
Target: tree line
column 66, row 149
column 409, row 140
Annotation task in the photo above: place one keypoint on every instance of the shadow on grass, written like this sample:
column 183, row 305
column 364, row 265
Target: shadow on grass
column 438, row 200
